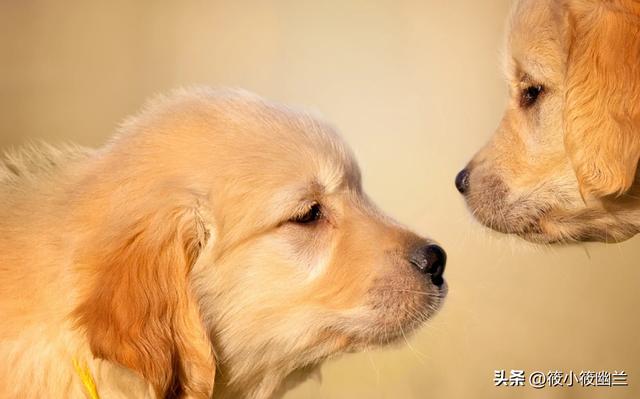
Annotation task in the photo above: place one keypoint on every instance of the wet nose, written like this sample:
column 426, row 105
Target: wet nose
column 462, row 181
column 430, row 260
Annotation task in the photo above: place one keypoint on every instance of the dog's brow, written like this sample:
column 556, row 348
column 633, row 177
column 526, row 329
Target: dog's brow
column 289, row 200
column 531, row 70
column 334, row 177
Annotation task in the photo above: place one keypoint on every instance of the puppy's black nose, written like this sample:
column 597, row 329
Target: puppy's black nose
column 430, row 260
column 462, row 181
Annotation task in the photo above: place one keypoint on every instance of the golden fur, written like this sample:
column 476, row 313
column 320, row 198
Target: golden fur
column 171, row 262
column 564, row 167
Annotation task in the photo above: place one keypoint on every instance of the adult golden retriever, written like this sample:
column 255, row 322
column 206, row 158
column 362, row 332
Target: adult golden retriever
column 563, row 164
column 217, row 235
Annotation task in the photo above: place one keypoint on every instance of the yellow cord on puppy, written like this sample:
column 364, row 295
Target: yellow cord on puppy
column 87, row 380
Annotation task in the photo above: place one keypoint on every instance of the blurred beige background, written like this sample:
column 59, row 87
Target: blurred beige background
column 415, row 87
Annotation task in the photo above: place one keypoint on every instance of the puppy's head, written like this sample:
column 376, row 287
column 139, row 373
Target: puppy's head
column 562, row 165
column 234, row 224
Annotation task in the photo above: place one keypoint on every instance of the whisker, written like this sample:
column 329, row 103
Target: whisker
column 373, row 366
column 418, row 355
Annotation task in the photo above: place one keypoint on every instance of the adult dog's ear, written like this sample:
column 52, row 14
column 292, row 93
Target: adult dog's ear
column 140, row 310
column 602, row 104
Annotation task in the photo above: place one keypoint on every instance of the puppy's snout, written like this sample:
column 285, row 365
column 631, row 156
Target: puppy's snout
column 430, row 260
column 462, row 181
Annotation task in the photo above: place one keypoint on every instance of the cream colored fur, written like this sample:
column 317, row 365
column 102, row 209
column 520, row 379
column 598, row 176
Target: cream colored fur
column 173, row 264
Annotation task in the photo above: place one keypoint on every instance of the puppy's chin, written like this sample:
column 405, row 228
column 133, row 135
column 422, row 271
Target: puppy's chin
column 398, row 312
column 544, row 224
column 538, row 224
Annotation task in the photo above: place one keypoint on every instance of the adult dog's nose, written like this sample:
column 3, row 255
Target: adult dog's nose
column 462, row 181
column 430, row 260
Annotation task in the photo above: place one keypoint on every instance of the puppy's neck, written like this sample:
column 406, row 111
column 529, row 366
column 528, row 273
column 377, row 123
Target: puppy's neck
column 271, row 371
column 269, row 385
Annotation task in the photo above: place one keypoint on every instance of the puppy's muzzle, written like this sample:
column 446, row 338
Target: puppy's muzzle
column 430, row 260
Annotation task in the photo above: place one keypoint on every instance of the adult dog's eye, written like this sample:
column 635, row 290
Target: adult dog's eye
column 313, row 214
column 530, row 95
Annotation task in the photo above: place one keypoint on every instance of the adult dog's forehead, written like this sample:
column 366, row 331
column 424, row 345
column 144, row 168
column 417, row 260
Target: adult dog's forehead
column 535, row 40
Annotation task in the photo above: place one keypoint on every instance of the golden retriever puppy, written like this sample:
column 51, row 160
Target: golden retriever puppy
column 220, row 245
column 563, row 164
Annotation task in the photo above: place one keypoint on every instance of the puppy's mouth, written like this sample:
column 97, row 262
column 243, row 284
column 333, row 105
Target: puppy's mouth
column 494, row 206
column 525, row 221
column 401, row 310
column 530, row 217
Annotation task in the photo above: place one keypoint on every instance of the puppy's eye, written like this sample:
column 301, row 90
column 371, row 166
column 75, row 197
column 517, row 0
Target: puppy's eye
column 530, row 95
column 313, row 214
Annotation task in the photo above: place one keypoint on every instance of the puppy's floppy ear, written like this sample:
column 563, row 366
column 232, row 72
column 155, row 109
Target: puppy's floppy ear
column 140, row 311
column 602, row 104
